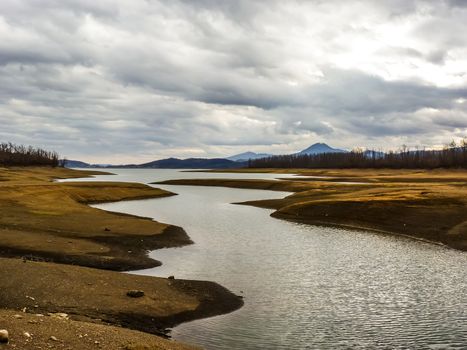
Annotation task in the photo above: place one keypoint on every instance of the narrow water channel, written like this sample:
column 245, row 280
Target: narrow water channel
column 305, row 287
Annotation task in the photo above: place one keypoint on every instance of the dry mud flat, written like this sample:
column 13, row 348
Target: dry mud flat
column 43, row 223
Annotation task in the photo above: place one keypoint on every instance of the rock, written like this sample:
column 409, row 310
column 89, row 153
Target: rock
column 4, row 337
column 60, row 315
column 53, row 338
column 135, row 293
column 107, row 229
column 171, row 277
column 27, row 334
column 17, row 316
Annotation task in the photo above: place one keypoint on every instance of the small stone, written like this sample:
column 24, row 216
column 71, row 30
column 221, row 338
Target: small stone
column 17, row 316
column 107, row 229
column 4, row 337
column 171, row 277
column 60, row 315
column 53, row 338
column 27, row 334
column 135, row 293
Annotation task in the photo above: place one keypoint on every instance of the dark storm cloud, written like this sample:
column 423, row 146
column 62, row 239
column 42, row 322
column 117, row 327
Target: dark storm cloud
column 358, row 93
column 135, row 80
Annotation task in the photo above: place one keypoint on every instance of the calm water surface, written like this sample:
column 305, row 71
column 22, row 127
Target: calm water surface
column 305, row 287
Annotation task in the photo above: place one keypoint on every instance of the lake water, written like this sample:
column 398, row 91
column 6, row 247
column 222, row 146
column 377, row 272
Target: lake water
column 305, row 287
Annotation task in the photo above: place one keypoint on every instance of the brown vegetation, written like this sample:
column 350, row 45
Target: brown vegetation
column 45, row 220
column 429, row 205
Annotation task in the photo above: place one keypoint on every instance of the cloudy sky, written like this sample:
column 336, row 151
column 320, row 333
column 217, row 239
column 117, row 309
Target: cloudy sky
column 119, row 81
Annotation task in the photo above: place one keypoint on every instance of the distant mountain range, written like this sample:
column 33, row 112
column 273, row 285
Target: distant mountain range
column 169, row 163
column 244, row 157
column 193, row 163
column 235, row 161
column 76, row 164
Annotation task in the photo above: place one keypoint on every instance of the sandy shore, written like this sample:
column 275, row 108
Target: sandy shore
column 427, row 205
column 47, row 227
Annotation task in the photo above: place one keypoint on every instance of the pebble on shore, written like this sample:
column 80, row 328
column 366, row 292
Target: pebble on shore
column 135, row 293
column 4, row 337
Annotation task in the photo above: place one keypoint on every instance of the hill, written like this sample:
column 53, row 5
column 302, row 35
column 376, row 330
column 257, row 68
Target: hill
column 319, row 148
column 192, row 163
column 244, row 157
column 76, row 164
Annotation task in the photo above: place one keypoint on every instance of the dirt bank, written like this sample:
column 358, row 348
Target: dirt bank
column 43, row 223
column 429, row 205
column 38, row 331
column 101, row 296
column 49, row 221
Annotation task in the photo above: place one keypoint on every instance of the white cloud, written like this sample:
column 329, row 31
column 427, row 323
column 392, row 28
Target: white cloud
column 132, row 81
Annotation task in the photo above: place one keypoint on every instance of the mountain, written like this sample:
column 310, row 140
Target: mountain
column 80, row 164
column 76, row 164
column 319, row 148
column 169, row 163
column 192, row 163
column 243, row 157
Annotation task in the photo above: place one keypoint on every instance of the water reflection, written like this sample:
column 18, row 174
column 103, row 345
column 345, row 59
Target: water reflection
column 305, row 287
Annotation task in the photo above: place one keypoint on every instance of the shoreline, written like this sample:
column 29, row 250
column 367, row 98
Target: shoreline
column 99, row 296
column 424, row 205
column 356, row 228
column 59, row 255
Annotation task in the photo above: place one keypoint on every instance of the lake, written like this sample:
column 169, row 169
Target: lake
column 305, row 287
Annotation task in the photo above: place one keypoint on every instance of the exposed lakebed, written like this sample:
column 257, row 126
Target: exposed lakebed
column 304, row 286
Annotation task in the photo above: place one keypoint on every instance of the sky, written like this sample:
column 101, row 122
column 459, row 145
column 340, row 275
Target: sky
column 128, row 81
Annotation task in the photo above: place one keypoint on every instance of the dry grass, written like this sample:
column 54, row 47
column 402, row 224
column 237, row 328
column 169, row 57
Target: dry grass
column 52, row 220
column 430, row 205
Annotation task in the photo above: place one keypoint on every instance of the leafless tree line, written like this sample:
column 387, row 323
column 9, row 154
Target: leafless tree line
column 20, row 155
column 453, row 155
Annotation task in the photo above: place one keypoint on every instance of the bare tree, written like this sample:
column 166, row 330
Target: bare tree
column 20, row 155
